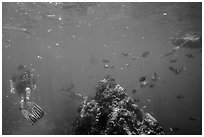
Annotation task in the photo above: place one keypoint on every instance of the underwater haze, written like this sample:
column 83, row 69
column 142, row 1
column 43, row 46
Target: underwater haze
column 70, row 47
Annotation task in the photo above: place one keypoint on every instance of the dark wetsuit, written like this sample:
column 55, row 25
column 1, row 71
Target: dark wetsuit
column 23, row 82
column 23, row 79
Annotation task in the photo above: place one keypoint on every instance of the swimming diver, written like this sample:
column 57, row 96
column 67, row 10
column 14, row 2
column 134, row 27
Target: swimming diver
column 23, row 83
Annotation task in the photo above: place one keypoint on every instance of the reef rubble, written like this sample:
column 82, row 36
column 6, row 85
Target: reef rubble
column 112, row 112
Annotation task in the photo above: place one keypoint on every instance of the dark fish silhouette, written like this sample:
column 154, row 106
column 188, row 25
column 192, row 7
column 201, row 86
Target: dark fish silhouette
column 136, row 100
column 151, row 85
column 180, row 96
column 192, row 118
column 176, row 70
column 189, row 55
column 134, row 91
column 143, row 78
column 105, row 61
column 145, row 54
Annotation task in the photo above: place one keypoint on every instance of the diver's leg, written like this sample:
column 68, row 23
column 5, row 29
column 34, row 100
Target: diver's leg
column 22, row 102
column 28, row 93
column 170, row 52
column 30, row 117
column 36, row 110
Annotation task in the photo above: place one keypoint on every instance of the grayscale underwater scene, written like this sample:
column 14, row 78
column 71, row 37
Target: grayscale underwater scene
column 101, row 68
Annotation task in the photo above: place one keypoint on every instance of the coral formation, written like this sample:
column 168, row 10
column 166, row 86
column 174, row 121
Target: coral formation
column 112, row 112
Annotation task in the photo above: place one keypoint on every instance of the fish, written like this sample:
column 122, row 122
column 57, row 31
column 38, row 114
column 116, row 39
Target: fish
column 105, row 61
column 151, row 85
column 174, row 129
column 189, row 55
column 176, row 70
column 136, row 100
column 174, row 59
column 125, row 54
column 155, row 77
column 143, row 78
column 144, row 84
column 193, row 118
column 134, row 91
column 180, row 96
column 145, row 54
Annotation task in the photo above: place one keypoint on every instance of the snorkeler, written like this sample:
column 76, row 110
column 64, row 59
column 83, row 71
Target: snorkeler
column 23, row 83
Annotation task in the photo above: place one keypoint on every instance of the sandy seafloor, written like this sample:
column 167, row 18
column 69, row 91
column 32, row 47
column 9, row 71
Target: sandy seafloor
column 67, row 45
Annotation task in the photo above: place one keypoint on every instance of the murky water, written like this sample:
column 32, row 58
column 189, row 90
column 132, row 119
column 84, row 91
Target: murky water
column 71, row 46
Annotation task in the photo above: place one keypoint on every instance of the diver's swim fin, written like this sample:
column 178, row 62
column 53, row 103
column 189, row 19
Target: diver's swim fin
column 30, row 117
column 37, row 111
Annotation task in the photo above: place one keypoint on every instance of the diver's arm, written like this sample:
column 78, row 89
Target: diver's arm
column 170, row 52
column 173, row 50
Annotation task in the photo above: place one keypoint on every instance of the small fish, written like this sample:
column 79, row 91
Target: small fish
column 134, row 91
column 151, row 85
column 174, row 129
column 189, row 55
column 145, row 54
column 173, row 60
column 105, row 61
column 125, row 54
column 176, row 71
column 137, row 100
column 143, row 78
column 155, row 77
column 172, row 69
column 193, row 118
column 144, row 84
column 180, row 96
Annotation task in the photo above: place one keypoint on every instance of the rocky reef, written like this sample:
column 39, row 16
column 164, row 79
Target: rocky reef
column 112, row 112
